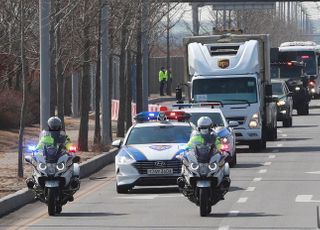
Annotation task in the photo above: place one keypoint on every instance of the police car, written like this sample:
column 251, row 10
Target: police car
column 147, row 155
column 220, row 125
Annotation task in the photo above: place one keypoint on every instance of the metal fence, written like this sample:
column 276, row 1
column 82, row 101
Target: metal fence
column 177, row 68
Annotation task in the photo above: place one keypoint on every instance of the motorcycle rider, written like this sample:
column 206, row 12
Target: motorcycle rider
column 54, row 136
column 205, row 135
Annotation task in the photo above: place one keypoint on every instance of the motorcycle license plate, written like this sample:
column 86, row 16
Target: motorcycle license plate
column 52, row 183
column 160, row 171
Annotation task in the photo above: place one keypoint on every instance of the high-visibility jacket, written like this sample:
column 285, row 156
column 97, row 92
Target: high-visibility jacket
column 198, row 139
column 162, row 76
column 53, row 138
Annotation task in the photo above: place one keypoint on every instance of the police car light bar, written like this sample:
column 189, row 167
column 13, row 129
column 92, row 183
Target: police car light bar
column 146, row 116
column 178, row 115
column 162, row 116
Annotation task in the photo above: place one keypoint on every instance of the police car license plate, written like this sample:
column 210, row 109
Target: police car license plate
column 160, row 171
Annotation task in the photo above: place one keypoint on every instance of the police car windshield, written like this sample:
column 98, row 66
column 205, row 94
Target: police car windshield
column 277, row 89
column 159, row 134
column 215, row 117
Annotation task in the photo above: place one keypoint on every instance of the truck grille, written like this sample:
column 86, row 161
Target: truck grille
column 143, row 166
column 240, row 120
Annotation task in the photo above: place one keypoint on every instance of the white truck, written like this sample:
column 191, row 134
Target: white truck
column 233, row 71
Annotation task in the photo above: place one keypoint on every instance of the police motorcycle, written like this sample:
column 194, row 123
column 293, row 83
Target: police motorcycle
column 205, row 176
column 55, row 177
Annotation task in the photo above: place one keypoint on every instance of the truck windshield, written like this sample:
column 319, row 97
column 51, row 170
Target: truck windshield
column 242, row 90
column 308, row 57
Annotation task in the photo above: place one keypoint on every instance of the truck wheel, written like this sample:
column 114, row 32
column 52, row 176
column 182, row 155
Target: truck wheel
column 258, row 145
column 272, row 134
column 287, row 122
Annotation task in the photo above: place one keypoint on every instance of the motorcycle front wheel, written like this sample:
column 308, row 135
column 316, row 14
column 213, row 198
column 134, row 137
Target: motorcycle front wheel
column 52, row 201
column 205, row 207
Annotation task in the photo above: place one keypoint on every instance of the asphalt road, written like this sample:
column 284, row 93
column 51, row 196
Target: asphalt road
column 275, row 189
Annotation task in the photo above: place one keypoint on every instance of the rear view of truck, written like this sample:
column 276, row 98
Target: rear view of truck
column 234, row 71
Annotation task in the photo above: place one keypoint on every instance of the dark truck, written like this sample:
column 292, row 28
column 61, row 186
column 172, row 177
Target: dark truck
column 293, row 72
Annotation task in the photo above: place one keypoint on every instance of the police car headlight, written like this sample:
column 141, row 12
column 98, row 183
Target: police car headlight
column 124, row 159
column 61, row 166
column 281, row 103
column 297, row 88
column 42, row 166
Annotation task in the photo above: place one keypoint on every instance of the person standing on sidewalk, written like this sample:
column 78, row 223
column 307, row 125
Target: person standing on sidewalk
column 162, row 79
column 169, row 81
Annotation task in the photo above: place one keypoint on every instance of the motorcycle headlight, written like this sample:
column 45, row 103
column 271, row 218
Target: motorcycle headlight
column 194, row 166
column 42, row 166
column 124, row 159
column 213, row 166
column 281, row 103
column 297, row 88
column 61, row 166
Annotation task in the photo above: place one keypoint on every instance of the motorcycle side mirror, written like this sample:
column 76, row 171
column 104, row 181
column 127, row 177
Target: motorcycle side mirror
column 76, row 159
column 28, row 159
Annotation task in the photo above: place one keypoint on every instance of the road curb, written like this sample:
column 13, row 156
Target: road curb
column 24, row 196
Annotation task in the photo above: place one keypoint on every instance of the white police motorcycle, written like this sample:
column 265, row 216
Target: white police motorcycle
column 205, row 177
column 55, row 177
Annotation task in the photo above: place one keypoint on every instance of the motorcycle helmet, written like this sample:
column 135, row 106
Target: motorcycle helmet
column 54, row 124
column 204, row 124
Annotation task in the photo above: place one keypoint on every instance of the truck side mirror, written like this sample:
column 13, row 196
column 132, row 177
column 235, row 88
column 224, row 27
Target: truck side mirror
column 179, row 94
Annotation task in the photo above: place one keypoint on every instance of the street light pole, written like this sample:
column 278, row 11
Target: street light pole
column 105, row 100
column 44, row 7
column 145, row 55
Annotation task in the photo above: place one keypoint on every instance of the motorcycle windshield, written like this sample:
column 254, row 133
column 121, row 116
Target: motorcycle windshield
column 203, row 153
column 51, row 154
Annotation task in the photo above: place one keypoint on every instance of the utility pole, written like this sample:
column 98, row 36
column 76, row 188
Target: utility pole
column 195, row 19
column 105, row 100
column 44, row 8
column 145, row 55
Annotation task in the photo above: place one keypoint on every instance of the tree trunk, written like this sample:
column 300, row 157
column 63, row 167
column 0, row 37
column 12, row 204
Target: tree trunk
column 121, row 118
column 139, row 65
column 97, row 127
column 59, row 67
column 128, row 90
column 23, row 107
column 85, row 85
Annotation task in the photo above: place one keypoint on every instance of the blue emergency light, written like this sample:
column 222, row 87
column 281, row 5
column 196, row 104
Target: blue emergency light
column 32, row 148
column 146, row 116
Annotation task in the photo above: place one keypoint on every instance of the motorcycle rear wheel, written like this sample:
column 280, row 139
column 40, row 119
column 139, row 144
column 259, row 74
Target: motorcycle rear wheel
column 52, row 201
column 205, row 207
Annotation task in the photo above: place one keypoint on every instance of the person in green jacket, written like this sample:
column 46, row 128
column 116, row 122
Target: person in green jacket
column 55, row 136
column 162, row 80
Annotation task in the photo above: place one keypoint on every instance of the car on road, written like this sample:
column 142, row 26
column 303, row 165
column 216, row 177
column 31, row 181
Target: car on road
column 222, row 127
column 147, row 155
column 283, row 98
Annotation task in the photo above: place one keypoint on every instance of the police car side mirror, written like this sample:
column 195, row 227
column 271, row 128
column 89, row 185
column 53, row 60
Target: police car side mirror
column 117, row 143
column 233, row 124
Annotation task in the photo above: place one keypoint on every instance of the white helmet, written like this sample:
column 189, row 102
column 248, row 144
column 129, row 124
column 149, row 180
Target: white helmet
column 204, row 124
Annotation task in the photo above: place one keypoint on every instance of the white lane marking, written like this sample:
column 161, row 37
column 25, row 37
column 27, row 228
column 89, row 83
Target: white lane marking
column 170, row 196
column 279, row 131
column 273, row 156
column 242, row 200
column 275, row 150
column 262, row 171
column 304, row 198
column 279, row 145
column 224, row 228
column 145, row 197
column 284, row 135
column 267, row 163
column 257, row 179
column 233, row 213
column 250, row 189
column 315, row 172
